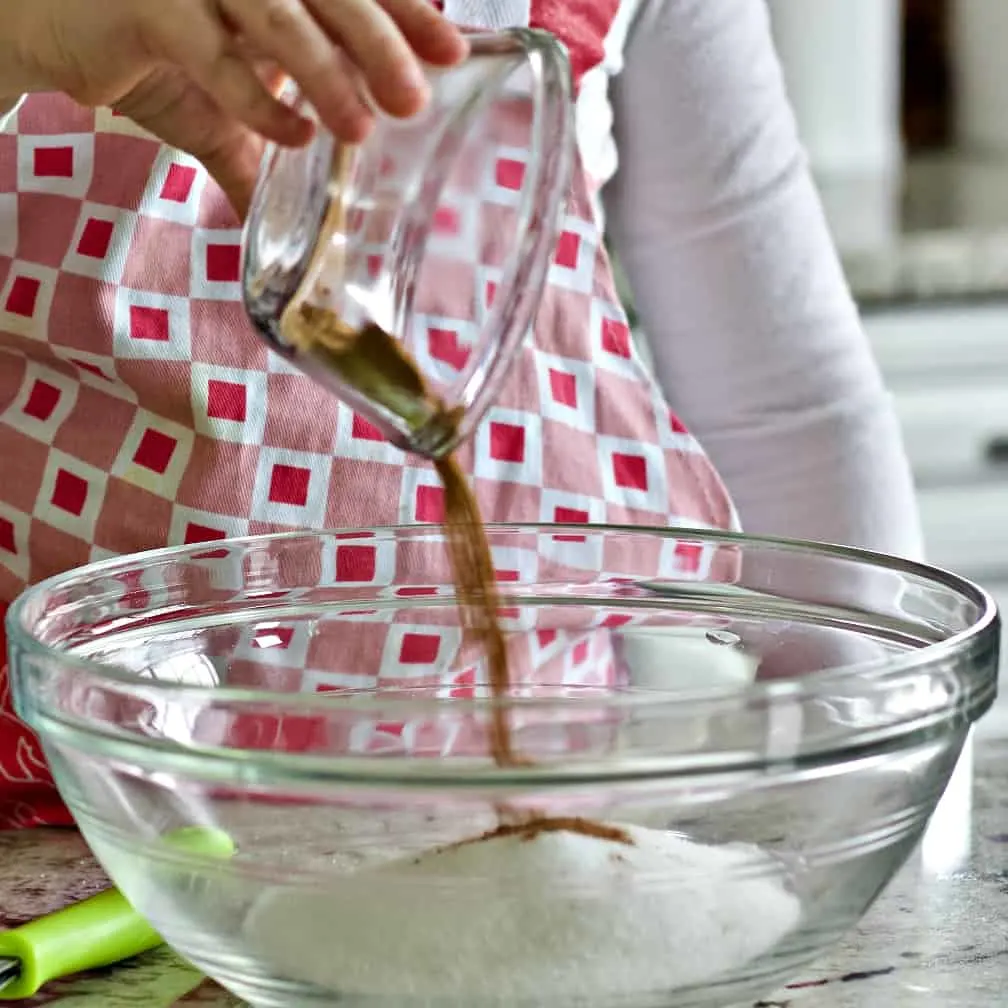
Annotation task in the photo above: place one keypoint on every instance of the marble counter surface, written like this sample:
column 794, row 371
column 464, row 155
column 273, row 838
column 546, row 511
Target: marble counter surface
column 938, row 938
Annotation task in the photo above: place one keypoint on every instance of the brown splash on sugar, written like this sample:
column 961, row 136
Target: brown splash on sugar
column 537, row 826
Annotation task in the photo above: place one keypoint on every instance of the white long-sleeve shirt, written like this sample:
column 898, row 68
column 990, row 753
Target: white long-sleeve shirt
column 716, row 220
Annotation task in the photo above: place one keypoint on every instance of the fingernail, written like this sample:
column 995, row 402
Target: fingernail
column 461, row 46
column 355, row 127
column 414, row 77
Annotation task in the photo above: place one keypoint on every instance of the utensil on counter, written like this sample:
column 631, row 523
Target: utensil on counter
column 99, row 931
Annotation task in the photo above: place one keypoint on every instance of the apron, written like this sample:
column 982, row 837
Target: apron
column 138, row 410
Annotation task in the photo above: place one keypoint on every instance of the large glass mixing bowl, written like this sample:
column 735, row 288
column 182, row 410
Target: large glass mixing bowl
column 764, row 727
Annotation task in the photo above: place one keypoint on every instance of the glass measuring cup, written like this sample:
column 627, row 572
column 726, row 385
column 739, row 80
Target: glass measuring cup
column 433, row 237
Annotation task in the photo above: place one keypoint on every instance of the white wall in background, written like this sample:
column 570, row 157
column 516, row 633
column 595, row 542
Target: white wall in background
column 842, row 63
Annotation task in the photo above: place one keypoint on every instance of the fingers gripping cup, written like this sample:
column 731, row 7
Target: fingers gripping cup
column 428, row 244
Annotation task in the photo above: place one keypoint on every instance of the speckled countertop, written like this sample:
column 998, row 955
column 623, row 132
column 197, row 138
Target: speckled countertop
column 938, row 938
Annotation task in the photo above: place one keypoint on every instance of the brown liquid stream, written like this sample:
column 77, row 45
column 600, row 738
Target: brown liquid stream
column 378, row 365
column 476, row 590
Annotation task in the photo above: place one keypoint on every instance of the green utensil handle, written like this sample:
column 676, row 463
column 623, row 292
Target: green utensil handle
column 96, row 932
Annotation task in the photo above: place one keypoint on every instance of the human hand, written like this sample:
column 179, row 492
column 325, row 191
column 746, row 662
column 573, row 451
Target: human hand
column 202, row 74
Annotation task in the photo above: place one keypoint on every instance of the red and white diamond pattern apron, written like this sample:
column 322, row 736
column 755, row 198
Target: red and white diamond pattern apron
column 138, row 409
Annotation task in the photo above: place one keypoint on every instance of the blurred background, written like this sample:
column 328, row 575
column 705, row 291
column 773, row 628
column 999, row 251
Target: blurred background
column 903, row 107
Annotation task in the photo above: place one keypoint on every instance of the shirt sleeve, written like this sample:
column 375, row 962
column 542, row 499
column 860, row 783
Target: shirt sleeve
column 755, row 337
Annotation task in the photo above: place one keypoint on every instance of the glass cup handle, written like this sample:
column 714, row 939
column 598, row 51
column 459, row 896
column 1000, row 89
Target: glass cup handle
column 544, row 196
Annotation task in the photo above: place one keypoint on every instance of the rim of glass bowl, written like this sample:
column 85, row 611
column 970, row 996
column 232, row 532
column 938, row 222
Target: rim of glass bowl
column 875, row 678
